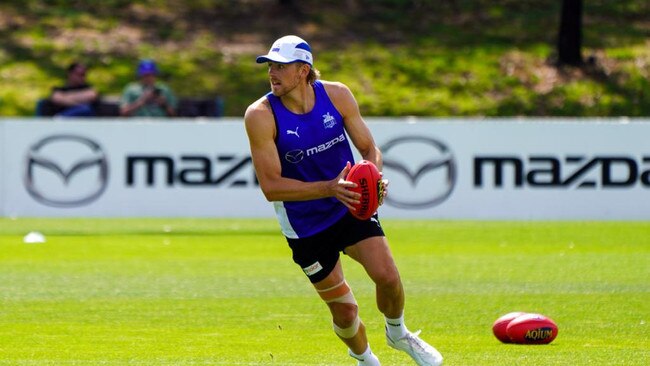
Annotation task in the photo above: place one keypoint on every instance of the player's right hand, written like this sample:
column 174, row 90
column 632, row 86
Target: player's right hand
column 341, row 191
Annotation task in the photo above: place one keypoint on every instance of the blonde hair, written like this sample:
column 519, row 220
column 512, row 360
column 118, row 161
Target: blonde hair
column 313, row 75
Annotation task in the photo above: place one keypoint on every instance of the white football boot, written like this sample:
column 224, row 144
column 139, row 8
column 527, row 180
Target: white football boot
column 423, row 353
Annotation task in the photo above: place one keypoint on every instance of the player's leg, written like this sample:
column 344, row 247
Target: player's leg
column 319, row 257
column 338, row 296
column 375, row 256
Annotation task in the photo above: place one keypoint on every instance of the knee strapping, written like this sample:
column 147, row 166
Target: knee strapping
column 350, row 331
column 341, row 293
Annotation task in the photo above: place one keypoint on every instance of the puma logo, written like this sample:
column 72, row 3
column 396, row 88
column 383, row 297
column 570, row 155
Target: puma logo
column 289, row 132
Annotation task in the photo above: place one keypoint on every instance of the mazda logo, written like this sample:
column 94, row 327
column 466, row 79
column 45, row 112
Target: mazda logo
column 421, row 169
column 66, row 171
column 294, row 156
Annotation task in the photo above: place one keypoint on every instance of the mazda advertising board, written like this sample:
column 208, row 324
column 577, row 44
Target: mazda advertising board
column 450, row 169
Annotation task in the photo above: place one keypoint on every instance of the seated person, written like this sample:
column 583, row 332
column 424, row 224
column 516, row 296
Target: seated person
column 148, row 97
column 76, row 98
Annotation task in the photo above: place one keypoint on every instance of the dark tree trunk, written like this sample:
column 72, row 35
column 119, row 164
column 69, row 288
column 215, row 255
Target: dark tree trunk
column 570, row 37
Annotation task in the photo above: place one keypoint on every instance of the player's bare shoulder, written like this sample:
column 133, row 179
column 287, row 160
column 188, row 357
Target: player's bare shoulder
column 259, row 117
column 336, row 89
column 258, row 109
column 342, row 97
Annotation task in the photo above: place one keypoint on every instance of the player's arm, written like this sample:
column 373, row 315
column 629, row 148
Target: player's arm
column 355, row 126
column 260, row 127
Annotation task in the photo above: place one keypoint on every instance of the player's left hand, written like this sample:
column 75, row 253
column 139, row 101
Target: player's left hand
column 383, row 189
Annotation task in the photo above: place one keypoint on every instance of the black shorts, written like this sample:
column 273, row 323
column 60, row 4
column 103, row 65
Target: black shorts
column 317, row 254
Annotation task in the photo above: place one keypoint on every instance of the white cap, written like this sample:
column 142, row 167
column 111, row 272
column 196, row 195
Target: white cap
column 288, row 49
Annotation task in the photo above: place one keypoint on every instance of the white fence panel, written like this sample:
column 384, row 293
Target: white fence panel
column 449, row 169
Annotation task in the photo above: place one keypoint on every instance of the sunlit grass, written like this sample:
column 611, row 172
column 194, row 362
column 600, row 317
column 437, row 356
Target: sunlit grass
column 225, row 292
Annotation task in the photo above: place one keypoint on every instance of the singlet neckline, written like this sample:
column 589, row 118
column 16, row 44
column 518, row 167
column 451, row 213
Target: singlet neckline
column 306, row 114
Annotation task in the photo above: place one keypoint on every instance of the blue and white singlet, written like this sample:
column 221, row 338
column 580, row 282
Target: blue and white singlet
column 312, row 147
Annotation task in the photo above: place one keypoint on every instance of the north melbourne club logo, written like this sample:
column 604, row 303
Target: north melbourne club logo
column 328, row 120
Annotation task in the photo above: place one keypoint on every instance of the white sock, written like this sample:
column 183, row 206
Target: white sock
column 396, row 328
column 367, row 358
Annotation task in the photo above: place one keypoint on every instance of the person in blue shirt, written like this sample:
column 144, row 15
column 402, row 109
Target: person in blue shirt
column 301, row 136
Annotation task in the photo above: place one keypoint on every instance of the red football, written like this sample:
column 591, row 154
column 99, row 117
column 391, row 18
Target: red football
column 500, row 325
column 368, row 180
column 532, row 329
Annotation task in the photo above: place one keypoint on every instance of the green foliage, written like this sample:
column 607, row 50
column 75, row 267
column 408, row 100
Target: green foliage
column 400, row 57
column 226, row 292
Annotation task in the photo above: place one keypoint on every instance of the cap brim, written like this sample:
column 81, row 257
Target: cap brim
column 274, row 58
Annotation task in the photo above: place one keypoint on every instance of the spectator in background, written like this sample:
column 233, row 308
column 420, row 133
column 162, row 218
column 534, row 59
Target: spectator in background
column 148, row 97
column 76, row 98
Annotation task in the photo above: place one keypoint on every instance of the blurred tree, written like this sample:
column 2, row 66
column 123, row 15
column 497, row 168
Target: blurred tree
column 570, row 36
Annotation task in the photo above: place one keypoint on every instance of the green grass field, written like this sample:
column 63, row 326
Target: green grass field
column 225, row 292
